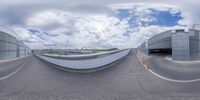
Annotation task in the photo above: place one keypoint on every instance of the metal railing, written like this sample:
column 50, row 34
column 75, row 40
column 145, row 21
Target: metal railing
column 82, row 56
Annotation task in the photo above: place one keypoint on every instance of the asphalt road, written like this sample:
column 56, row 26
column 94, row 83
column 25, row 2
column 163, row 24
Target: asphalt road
column 127, row 80
column 9, row 67
column 176, row 70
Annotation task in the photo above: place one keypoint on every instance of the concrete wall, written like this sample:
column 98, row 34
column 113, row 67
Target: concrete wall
column 10, row 47
column 180, row 45
column 160, row 41
column 89, row 63
column 194, row 44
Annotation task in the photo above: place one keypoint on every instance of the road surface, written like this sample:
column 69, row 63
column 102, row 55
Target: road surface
column 176, row 70
column 127, row 80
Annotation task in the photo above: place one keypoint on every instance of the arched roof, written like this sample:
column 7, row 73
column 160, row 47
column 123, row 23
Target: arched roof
column 8, row 31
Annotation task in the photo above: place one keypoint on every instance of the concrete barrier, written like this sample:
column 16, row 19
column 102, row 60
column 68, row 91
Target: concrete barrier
column 88, row 64
column 82, row 56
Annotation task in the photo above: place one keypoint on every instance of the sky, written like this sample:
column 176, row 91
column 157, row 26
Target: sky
column 63, row 24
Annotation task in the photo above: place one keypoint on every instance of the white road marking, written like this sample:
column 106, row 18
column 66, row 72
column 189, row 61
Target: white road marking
column 165, row 78
column 162, row 77
column 2, row 78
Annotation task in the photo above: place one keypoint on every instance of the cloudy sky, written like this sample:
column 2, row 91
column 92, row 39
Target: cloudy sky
column 95, row 23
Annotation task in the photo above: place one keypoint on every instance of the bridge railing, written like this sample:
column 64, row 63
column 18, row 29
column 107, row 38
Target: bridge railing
column 77, row 64
column 82, row 56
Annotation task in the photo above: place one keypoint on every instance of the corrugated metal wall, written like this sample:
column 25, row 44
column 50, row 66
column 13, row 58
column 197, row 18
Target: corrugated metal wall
column 10, row 47
column 194, row 44
column 185, row 45
column 160, row 41
column 144, row 47
column 180, row 45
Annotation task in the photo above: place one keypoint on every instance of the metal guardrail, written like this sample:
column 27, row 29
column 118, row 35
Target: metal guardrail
column 82, row 56
column 87, row 64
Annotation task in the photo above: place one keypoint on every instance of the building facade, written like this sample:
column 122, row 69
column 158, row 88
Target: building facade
column 10, row 45
column 183, row 45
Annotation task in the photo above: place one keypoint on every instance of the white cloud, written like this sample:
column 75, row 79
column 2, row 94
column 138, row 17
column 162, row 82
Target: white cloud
column 77, row 30
column 25, row 35
column 146, row 32
column 189, row 9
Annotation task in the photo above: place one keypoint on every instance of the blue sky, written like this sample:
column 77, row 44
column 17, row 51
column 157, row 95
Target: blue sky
column 163, row 18
column 94, row 24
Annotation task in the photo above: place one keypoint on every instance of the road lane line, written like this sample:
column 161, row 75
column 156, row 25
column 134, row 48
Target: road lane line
column 146, row 66
column 173, row 80
column 162, row 77
column 2, row 78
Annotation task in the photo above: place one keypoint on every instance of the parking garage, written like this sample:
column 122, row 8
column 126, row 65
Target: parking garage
column 181, row 44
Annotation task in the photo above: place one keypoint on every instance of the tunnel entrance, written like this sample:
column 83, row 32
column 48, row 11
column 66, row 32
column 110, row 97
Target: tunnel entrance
column 167, row 51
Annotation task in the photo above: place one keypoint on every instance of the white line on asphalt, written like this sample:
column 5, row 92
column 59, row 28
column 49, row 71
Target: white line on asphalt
column 13, row 72
column 13, row 59
column 146, row 67
column 195, row 80
column 173, row 80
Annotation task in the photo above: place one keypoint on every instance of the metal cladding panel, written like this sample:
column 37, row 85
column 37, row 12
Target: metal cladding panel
column 2, row 36
column 8, row 32
column 21, row 49
column 194, row 44
column 180, row 46
column 144, row 48
column 160, row 41
column 9, row 45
